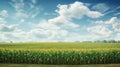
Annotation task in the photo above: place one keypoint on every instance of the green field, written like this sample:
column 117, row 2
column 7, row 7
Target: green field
column 60, row 53
column 59, row 45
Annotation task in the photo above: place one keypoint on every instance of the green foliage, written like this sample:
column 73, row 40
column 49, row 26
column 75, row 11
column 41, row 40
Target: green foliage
column 60, row 53
column 109, row 41
column 60, row 56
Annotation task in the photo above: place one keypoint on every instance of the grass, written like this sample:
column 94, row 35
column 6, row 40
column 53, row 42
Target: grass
column 60, row 53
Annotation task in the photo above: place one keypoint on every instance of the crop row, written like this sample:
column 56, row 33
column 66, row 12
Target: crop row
column 60, row 56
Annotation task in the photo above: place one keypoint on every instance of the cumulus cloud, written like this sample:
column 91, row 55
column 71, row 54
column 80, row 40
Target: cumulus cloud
column 62, row 21
column 2, row 20
column 77, row 10
column 43, row 31
column 73, row 37
column 109, row 28
column 21, row 14
column 4, row 13
column 114, row 22
column 44, row 24
column 54, row 29
column 10, row 31
column 117, row 37
column 99, row 30
column 16, row 35
column 46, row 30
column 48, row 34
column 6, row 28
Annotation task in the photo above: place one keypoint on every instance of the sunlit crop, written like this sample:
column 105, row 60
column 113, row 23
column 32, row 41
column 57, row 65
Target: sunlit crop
column 69, row 55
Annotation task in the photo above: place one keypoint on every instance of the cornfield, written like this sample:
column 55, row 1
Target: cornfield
column 60, row 56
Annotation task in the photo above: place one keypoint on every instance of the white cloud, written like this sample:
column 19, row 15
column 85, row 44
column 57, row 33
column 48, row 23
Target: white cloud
column 21, row 15
column 10, row 32
column 34, row 11
column 43, row 31
column 17, row 4
column 44, row 24
column 109, row 29
column 22, row 12
column 4, row 13
column 16, row 36
column 63, row 21
column 2, row 21
column 94, row 14
column 115, row 23
column 7, row 28
column 77, row 10
column 48, row 31
column 55, row 29
column 117, row 37
column 48, row 34
column 99, row 30
column 72, row 37
column 101, row 7
column 112, row 20
column 4, row 27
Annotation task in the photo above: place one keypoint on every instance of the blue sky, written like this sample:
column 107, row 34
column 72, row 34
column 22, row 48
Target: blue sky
column 59, row 20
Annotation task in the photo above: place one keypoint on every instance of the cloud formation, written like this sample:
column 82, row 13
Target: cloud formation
column 101, row 7
column 75, row 10
column 106, row 29
column 61, row 27
column 4, row 13
column 21, row 12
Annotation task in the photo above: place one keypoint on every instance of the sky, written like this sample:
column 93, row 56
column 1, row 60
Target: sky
column 59, row 20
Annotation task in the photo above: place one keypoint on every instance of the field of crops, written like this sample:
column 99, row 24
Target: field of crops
column 60, row 53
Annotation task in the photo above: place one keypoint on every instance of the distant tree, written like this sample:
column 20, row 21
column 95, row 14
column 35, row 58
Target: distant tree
column 113, row 41
column 118, row 41
column 10, row 41
column 77, row 41
column 105, row 41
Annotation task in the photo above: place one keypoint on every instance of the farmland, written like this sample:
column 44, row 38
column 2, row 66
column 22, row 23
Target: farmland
column 60, row 53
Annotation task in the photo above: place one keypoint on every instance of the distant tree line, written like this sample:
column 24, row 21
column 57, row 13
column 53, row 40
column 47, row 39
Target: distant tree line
column 102, row 41
column 109, row 41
